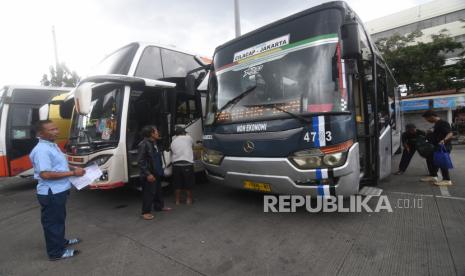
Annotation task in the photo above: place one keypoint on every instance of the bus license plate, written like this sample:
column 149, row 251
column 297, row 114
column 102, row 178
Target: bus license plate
column 262, row 187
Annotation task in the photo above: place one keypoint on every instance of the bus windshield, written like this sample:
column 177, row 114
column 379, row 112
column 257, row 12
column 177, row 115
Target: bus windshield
column 285, row 72
column 101, row 125
column 119, row 62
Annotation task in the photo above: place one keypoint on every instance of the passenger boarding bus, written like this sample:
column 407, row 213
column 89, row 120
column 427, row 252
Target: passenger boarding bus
column 137, row 85
column 20, row 108
column 305, row 105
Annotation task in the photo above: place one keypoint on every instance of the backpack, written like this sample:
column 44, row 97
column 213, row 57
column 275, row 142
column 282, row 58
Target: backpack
column 424, row 148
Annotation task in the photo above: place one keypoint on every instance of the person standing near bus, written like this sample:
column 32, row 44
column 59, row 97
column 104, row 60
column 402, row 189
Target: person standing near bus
column 441, row 135
column 52, row 171
column 409, row 139
column 182, row 157
column 151, row 171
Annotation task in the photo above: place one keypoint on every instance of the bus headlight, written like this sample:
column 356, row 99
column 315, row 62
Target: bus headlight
column 212, row 156
column 309, row 162
column 100, row 160
column 334, row 159
column 307, row 159
column 325, row 157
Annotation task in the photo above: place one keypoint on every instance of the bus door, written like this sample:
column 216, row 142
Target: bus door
column 373, row 124
column 147, row 106
column 20, row 138
column 384, row 123
column 363, row 91
column 365, row 122
column 372, row 116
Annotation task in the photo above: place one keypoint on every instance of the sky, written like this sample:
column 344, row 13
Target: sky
column 87, row 30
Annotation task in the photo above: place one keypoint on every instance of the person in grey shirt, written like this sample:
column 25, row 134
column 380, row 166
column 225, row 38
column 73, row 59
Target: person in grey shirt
column 182, row 157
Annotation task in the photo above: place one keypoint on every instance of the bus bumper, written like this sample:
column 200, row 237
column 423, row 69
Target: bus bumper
column 282, row 177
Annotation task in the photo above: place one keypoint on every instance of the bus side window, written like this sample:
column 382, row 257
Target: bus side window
column 150, row 64
column 181, row 113
column 392, row 91
column 176, row 64
column 366, row 86
column 187, row 110
column 382, row 99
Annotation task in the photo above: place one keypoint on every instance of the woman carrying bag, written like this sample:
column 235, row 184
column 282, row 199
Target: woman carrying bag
column 440, row 137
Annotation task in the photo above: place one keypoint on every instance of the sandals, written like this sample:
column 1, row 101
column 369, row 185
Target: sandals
column 73, row 241
column 68, row 253
column 148, row 216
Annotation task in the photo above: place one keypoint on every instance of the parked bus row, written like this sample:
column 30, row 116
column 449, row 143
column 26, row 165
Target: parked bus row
column 304, row 105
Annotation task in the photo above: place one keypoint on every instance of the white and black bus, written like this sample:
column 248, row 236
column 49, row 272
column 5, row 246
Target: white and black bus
column 304, row 105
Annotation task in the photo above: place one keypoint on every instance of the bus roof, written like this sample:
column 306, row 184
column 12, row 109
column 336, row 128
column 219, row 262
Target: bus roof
column 10, row 88
column 29, row 94
column 173, row 48
column 145, row 44
column 37, row 87
column 336, row 4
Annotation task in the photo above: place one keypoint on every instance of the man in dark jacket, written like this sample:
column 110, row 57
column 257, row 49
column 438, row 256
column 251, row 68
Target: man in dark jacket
column 441, row 135
column 151, row 171
column 409, row 139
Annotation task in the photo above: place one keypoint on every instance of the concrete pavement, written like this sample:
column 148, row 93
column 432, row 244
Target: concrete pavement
column 225, row 232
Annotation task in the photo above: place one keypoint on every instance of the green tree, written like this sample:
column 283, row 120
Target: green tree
column 421, row 66
column 60, row 76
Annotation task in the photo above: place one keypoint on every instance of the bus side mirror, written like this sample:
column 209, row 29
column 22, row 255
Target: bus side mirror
column 190, row 84
column 83, row 98
column 350, row 40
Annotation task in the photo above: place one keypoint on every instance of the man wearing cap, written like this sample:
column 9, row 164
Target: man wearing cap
column 182, row 157
column 409, row 138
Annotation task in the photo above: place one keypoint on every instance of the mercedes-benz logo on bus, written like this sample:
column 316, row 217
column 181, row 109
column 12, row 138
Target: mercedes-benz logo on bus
column 248, row 146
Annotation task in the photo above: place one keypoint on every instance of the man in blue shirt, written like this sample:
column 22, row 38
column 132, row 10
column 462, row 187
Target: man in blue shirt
column 52, row 171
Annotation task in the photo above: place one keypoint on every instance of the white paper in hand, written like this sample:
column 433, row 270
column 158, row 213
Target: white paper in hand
column 92, row 173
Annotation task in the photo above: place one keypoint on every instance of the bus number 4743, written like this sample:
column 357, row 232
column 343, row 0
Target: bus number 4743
column 310, row 136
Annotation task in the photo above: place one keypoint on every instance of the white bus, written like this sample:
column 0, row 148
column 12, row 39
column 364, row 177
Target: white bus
column 20, row 108
column 137, row 85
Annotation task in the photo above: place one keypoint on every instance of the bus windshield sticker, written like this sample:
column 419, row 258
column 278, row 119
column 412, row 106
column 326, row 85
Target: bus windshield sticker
column 262, row 47
column 253, row 57
column 251, row 127
column 252, row 71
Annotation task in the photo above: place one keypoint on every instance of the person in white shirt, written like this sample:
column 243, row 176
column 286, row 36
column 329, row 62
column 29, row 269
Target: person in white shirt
column 182, row 157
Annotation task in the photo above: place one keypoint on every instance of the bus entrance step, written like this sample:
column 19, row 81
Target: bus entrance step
column 370, row 191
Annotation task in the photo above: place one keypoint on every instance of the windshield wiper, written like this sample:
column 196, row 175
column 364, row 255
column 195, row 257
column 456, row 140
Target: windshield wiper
column 103, row 143
column 297, row 116
column 231, row 103
column 87, row 136
column 300, row 117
